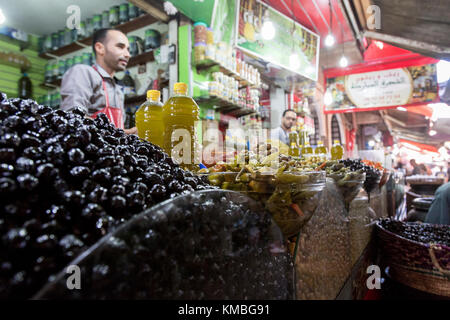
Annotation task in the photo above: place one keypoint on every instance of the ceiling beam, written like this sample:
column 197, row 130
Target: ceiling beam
column 386, row 121
column 321, row 15
column 308, row 16
column 418, row 45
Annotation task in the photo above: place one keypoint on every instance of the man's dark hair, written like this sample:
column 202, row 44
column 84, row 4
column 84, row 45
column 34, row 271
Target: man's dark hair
column 289, row 110
column 99, row 36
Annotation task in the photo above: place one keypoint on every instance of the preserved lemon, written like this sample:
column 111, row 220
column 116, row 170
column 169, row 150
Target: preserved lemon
column 180, row 113
column 337, row 151
column 149, row 119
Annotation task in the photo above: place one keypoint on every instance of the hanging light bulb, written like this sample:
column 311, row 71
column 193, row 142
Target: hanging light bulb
column 2, row 17
column 328, row 98
column 329, row 40
column 343, row 62
column 294, row 61
column 309, row 70
column 268, row 30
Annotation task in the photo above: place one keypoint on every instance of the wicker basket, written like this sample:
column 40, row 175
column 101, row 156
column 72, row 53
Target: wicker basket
column 422, row 266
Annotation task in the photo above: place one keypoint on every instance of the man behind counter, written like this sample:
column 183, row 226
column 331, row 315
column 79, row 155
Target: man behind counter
column 287, row 121
column 93, row 87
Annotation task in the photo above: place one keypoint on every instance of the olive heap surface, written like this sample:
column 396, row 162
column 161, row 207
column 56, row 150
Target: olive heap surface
column 67, row 180
column 372, row 175
column 420, row 232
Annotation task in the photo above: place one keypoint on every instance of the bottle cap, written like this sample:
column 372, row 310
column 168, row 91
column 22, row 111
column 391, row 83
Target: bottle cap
column 153, row 95
column 180, row 86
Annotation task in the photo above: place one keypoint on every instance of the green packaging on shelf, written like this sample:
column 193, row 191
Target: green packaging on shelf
column 97, row 22
column 105, row 19
column 55, row 41
column 78, row 60
column 61, row 68
column 133, row 11
column 87, row 58
column 123, row 13
column 69, row 63
column 62, row 38
column 114, row 16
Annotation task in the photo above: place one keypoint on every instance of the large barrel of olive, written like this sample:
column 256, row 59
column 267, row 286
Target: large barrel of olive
column 206, row 245
column 421, row 187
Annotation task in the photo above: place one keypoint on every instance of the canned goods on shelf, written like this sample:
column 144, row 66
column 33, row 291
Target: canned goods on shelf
column 200, row 32
column 199, row 51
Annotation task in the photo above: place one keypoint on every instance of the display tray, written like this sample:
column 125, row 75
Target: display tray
column 212, row 244
column 291, row 197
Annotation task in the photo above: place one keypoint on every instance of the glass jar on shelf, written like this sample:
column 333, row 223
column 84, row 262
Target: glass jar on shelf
column 97, row 22
column 209, row 36
column 123, row 13
column 62, row 39
column 210, row 53
column 212, row 88
column 200, row 34
column 114, row 16
column 89, row 27
column 105, row 19
column 133, row 11
column 199, row 52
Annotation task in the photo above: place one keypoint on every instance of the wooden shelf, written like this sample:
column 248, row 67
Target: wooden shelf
column 207, row 64
column 225, row 107
column 141, row 59
column 126, row 27
column 51, row 85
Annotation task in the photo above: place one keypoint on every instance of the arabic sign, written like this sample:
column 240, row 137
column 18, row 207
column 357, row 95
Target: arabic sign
column 223, row 21
column 382, row 89
column 290, row 39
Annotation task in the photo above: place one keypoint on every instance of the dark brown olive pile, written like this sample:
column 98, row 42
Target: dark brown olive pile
column 420, row 232
column 66, row 181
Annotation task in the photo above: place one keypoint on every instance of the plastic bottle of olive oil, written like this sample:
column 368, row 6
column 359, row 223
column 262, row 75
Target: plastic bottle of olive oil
column 294, row 151
column 180, row 113
column 321, row 151
column 307, row 150
column 149, row 119
column 337, row 151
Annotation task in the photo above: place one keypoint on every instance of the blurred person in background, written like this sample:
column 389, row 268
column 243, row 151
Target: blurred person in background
column 416, row 168
column 441, row 173
column 425, row 170
column 439, row 212
column 281, row 133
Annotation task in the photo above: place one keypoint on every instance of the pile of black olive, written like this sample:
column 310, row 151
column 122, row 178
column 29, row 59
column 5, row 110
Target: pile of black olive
column 207, row 245
column 420, row 232
column 373, row 175
column 67, row 180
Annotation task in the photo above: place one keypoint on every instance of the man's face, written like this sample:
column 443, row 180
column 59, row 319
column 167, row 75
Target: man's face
column 115, row 50
column 289, row 119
